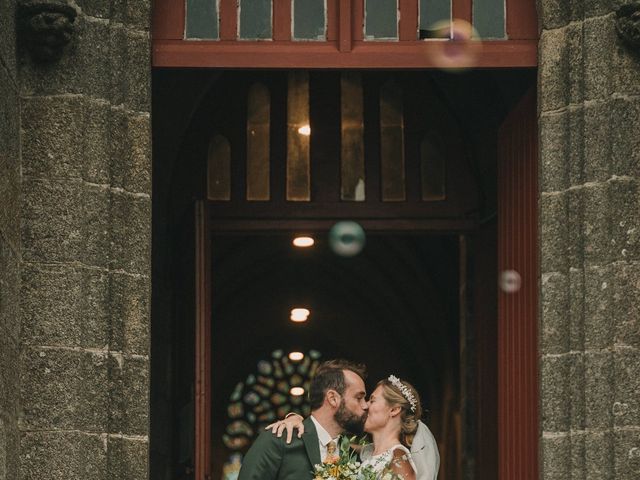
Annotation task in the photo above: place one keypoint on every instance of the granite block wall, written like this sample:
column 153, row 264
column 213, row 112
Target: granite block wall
column 86, row 246
column 589, row 107
column 75, row 239
column 10, row 249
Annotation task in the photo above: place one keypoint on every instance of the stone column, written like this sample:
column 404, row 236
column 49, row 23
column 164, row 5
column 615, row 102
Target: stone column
column 9, row 244
column 86, row 223
column 589, row 96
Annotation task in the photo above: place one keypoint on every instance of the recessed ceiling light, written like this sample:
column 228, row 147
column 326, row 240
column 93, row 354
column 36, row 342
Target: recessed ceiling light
column 296, row 356
column 303, row 242
column 297, row 391
column 305, row 130
column 299, row 314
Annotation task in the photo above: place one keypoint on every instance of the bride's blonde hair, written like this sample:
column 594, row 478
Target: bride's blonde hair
column 408, row 418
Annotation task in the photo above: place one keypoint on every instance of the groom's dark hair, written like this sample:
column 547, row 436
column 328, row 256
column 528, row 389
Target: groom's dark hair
column 330, row 376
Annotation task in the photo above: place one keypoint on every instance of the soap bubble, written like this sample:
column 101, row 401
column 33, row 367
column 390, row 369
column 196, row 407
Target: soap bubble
column 456, row 45
column 346, row 238
column 510, row 281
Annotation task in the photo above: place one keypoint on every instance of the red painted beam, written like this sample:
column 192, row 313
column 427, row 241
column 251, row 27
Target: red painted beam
column 208, row 54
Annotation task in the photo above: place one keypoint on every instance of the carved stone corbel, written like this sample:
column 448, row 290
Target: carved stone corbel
column 628, row 25
column 45, row 27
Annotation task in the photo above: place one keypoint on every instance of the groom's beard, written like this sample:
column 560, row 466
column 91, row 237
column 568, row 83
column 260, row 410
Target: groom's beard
column 349, row 421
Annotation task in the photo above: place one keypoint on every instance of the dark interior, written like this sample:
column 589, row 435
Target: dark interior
column 394, row 307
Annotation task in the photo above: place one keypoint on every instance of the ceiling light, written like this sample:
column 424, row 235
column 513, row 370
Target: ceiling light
column 297, row 391
column 299, row 314
column 305, row 130
column 296, row 356
column 303, row 242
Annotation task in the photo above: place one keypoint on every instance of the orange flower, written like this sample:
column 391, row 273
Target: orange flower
column 332, row 459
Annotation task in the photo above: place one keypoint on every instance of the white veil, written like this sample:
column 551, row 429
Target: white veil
column 424, row 452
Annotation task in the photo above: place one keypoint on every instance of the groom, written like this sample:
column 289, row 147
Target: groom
column 337, row 398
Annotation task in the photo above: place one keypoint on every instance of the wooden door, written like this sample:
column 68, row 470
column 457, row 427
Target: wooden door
column 518, row 294
column 202, row 454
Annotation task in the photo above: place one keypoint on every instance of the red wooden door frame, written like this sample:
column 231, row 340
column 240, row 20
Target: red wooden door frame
column 344, row 46
column 518, row 430
column 518, row 388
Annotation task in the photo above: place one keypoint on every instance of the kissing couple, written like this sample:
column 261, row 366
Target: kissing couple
column 403, row 447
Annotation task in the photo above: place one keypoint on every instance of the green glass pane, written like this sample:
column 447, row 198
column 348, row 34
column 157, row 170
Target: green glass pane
column 268, row 381
column 488, row 18
column 296, row 380
column 255, row 19
column 237, row 392
column 264, row 367
column 278, row 399
column 282, row 411
column 202, row 19
column 381, row 19
column 240, row 427
column 235, row 410
column 432, row 12
column 262, row 390
column 309, row 19
column 252, row 398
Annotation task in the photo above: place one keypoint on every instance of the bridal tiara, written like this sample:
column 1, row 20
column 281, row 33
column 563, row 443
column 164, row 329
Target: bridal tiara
column 406, row 393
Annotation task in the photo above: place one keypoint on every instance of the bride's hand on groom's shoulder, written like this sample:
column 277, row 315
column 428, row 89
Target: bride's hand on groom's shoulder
column 291, row 422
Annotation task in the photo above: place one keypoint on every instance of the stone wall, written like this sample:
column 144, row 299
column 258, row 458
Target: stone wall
column 86, row 223
column 9, row 245
column 590, row 244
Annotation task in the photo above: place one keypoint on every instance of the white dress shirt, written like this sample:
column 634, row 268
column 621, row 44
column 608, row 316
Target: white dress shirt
column 323, row 439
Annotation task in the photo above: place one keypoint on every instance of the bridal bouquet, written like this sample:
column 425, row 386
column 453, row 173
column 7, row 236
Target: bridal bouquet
column 345, row 466
column 337, row 471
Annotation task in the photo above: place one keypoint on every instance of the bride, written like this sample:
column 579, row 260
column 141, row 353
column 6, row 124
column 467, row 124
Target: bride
column 403, row 447
column 392, row 421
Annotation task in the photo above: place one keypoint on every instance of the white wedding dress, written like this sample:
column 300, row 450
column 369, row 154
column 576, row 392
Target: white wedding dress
column 424, row 456
column 379, row 462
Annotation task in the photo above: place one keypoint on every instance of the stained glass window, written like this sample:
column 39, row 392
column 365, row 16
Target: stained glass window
column 298, row 137
column 352, row 134
column 266, row 395
column 258, row 142
column 392, row 143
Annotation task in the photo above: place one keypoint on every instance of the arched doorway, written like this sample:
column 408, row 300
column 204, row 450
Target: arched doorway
column 404, row 232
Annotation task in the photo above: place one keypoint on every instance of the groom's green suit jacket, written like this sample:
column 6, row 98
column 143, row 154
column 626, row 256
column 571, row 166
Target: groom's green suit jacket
column 270, row 458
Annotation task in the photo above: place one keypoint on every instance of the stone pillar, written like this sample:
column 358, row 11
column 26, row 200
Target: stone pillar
column 86, row 223
column 589, row 96
column 9, row 244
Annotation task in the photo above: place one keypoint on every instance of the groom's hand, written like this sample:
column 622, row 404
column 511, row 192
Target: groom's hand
column 290, row 423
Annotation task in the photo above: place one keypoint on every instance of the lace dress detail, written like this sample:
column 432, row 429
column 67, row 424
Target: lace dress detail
column 380, row 462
